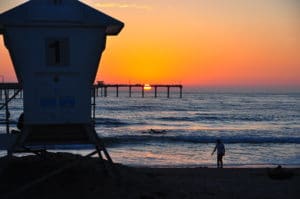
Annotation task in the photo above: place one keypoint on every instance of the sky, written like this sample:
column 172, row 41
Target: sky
column 219, row 43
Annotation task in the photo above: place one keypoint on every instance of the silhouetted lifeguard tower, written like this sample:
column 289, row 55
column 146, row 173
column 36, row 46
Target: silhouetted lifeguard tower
column 55, row 47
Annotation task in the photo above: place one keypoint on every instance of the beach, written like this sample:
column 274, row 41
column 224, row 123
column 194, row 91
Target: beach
column 65, row 175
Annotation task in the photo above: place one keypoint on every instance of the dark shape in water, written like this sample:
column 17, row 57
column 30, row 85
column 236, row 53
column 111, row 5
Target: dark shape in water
column 152, row 131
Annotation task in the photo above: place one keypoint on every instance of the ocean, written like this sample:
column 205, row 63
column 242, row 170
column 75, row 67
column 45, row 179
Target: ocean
column 258, row 128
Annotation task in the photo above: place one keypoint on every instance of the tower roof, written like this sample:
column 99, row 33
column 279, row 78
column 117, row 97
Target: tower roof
column 59, row 12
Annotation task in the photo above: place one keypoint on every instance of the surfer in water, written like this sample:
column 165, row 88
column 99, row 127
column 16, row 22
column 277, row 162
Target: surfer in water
column 153, row 131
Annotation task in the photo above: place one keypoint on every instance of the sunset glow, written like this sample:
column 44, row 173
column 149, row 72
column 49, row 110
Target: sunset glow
column 197, row 42
column 147, row 87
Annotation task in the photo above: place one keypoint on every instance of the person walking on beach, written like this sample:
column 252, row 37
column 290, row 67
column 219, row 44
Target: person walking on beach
column 220, row 153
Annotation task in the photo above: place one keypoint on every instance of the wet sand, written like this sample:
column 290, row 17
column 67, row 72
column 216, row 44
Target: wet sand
column 38, row 177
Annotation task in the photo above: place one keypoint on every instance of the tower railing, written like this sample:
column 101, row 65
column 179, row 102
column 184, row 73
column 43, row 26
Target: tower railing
column 4, row 105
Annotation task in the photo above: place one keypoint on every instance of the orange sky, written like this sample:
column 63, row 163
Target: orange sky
column 197, row 42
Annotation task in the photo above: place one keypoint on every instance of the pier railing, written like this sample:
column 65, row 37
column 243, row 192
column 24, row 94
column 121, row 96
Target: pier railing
column 104, row 88
column 6, row 87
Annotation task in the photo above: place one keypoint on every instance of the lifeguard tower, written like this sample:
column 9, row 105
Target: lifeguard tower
column 55, row 47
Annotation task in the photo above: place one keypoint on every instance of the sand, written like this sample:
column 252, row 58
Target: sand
column 38, row 177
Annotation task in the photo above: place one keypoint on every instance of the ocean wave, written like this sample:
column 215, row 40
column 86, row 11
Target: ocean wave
column 11, row 122
column 220, row 117
column 110, row 122
column 236, row 117
column 127, row 139
column 182, row 119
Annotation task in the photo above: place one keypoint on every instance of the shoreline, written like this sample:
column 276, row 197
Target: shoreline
column 245, row 166
column 191, row 166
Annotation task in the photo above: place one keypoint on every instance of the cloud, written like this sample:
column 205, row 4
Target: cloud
column 123, row 5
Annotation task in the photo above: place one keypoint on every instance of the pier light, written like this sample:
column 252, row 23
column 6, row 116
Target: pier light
column 55, row 47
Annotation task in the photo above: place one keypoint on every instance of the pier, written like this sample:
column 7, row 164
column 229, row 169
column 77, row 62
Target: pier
column 104, row 88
